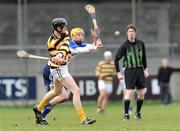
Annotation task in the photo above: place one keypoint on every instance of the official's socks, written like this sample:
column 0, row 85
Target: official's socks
column 139, row 105
column 126, row 106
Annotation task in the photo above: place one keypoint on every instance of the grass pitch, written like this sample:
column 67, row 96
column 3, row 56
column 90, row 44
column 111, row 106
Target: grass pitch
column 64, row 118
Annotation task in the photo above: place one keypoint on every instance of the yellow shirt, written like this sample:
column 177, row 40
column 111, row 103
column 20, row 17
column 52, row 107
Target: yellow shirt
column 105, row 71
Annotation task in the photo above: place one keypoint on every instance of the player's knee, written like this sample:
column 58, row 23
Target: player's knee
column 57, row 92
column 140, row 97
column 65, row 96
column 106, row 96
column 76, row 91
column 141, row 94
column 103, row 95
column 128, row 94
column 53, row 92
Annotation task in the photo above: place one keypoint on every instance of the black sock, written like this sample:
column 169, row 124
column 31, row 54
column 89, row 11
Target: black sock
column 126, row 106
column 139, row 105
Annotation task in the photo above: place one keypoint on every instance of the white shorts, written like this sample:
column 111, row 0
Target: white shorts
column 60, row 73
column 105, row 86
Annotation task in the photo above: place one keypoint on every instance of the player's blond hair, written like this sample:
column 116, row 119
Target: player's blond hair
column 75, row 31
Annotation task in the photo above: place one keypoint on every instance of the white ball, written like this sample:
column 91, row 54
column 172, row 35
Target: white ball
column 117, row 33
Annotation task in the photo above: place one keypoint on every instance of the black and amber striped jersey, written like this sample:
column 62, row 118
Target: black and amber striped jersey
column 105, row 71
column 57, row 45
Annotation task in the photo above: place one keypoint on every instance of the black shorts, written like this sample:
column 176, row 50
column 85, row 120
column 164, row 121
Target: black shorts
column 134, row 78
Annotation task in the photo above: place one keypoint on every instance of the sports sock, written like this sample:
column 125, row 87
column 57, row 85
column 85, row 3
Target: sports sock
column 126, row 106
column 139, row 105
column 46, row 110
column 99, row 107
column 41, row 105
column 81, row 114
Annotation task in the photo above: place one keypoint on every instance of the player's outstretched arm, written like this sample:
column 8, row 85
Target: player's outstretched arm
column 87, row 48
column 94, row 35
column 94, row 47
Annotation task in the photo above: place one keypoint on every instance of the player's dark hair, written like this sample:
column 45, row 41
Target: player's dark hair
column 59, row 22
column 131, row 26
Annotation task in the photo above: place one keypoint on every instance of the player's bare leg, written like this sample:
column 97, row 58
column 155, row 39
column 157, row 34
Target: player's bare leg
column 100, row 100
column 49, row 95
column 105, row 101
column 56, row 100
column 72, row 86
column 60, row 98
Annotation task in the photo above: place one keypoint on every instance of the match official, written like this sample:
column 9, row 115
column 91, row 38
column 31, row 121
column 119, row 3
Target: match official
column 133, row 53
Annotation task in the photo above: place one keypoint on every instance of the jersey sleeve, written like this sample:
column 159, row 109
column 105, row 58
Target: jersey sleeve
column 51, row 47
column 98, row 69
column 79, row 50
column 114, row 73
column 120, row 53
column 144, row 60
column 175, row 69
column 84, row 49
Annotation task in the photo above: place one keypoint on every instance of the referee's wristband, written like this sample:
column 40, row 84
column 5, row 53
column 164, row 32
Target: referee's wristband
column 146, row 69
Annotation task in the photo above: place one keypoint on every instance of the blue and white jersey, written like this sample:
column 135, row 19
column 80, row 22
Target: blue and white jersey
column 80, row 47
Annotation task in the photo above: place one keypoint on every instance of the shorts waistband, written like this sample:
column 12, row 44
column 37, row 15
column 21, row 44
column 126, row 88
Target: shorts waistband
column 135, row 68
column 53, row 67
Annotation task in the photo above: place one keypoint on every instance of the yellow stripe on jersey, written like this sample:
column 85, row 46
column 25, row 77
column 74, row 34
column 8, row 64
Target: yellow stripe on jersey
column 105, row 71
column 64, row 47
column 106, row 65
column 51, row 42
column 58, row 45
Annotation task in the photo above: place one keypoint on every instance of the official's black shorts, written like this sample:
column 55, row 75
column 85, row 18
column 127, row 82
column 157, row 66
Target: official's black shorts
column 134, row 78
